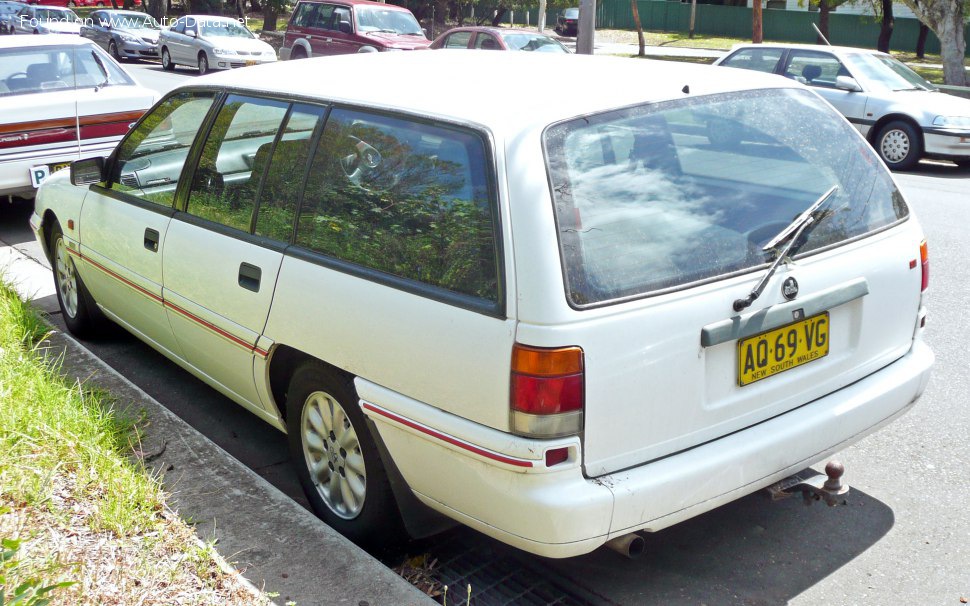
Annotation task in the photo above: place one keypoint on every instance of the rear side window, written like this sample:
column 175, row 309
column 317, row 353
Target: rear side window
column 757, row 59
column 403, row 197
column 225, row 184
column 660, row 196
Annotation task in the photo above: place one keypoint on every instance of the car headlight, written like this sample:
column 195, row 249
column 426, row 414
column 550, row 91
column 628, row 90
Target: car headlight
column 224, row 52
column 127, row 38
column 952, row 121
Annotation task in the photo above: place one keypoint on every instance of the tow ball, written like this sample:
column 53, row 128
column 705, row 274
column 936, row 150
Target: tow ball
column 813, row 486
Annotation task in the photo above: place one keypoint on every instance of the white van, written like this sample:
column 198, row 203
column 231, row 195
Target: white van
column 559, row 320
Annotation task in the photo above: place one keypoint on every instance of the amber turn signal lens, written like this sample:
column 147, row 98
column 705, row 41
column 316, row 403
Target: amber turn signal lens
column 541, row 362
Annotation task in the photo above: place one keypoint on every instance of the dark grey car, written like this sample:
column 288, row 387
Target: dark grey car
column 124, row 34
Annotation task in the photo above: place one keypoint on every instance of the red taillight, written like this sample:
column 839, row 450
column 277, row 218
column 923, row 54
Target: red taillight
column 547, row 391
column 924, row 258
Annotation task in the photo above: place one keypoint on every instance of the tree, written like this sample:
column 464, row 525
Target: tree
column 636, row 22
column 886, row 25
column 757, row 32
column 271, row 12
column 541, row 17
column 946, row 19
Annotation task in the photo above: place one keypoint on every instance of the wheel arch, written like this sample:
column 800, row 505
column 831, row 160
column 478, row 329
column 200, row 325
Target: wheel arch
column 303, row 47
column 894, row 117
column 47, row 223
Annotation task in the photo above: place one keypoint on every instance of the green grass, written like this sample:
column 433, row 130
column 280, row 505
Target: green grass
column 76, row 503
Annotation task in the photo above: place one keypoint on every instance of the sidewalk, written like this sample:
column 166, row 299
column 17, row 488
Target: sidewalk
column 277, row 545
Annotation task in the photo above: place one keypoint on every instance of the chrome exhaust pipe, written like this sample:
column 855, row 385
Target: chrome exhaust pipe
column 629, row 545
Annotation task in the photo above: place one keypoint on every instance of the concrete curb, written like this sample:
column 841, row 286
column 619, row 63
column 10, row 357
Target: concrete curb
column 276, row 544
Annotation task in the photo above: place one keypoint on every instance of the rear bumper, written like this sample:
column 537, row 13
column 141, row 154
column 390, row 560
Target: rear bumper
column 557, row 512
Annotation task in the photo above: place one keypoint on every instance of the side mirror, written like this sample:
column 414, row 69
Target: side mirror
column 87, row 171
column 847, row 83
column 191, row 33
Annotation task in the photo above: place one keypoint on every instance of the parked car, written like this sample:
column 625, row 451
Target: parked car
column 498, row 38
column 124, row 34
column 8, row 10
column 212, row 43
column 567, row 22
column 61, row 99
column 46, row 20
column 559, row 320
column 319, row 28
column 901, row 114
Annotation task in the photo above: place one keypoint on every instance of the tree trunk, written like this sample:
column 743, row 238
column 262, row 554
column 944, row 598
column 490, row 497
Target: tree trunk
column 156, row 8
column 953, row 45
column 270, row 14
column 639, row 26
column 114, row 4
column 499, row 15
column 255, row 6
column 240, row 11
column 757, row 34
column 693, row 19
column 541, row 20
column 886, row 26
column 924, row 31
column 823, row 21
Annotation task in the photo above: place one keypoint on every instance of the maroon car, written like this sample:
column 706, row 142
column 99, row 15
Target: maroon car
column 498, row 38
column 323, row 27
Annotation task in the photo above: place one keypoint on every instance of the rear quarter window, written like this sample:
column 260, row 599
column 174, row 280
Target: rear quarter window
column 661, row 196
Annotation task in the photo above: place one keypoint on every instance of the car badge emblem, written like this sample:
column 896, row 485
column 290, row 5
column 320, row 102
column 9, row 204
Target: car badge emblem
column 789, row 288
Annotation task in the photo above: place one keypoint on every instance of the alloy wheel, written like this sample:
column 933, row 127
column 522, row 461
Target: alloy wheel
column 333, row 455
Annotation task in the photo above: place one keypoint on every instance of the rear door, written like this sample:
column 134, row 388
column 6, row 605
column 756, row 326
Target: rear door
column 662, row 227
column 255, row 155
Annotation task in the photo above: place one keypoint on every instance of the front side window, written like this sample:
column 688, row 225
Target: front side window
column 757, row 59
column 487, row 42
column 226, row 180
column 405, row 198
column 665, row 195
column 151, row 158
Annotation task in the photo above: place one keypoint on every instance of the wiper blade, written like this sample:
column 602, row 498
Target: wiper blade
column 792, row 233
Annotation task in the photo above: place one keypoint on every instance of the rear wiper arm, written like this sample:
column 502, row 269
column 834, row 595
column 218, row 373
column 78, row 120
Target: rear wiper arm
column 792, row 233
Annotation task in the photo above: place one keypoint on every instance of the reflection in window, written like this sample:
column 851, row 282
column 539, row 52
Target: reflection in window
column 151, row 158
column 225, row 183
column 404, row 198
column 283, row 184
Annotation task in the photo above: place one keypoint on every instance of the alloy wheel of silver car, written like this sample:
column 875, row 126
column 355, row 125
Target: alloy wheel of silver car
column 895, row 145
column 167, row 60
column 333, row 455
column 66, row 278
column 203, row 64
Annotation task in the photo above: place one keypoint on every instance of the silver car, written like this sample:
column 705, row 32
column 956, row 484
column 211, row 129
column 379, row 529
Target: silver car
column 124, row 34
column 210, row 42
column 45, row 20
column 902, row 115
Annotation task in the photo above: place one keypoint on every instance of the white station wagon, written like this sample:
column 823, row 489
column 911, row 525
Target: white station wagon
column 559, row 320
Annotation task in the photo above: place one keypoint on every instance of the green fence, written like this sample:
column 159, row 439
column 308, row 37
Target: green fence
column 779, row 25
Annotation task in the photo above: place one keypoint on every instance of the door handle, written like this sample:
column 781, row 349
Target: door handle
column 249, row 276
column 151, row 239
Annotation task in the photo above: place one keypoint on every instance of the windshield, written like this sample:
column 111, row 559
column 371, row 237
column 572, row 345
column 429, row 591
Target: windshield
column 56, row 14
column 658, row 196
column 224, row 29
column 884, row 72
column 40, row 70
column 533, row 42
column 571, row 13
column 9, row 9
column 370, row 19
column 132, row 21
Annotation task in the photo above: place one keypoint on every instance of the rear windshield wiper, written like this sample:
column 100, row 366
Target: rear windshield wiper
column 792, row 233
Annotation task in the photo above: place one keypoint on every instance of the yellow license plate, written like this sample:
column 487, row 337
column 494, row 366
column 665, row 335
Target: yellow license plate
column 250, row 62
column 781, row 349
column 59, row 166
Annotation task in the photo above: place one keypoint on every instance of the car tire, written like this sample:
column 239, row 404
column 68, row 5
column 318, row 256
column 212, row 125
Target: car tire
column 80, row 312
column 336, row 458
column 962, row 163
column 203, row 64
column 167, row 64
column 899, row 145
column 113, row 50
column 298, row 53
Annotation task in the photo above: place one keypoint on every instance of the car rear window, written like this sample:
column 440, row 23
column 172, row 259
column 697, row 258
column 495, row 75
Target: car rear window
column 661, row 196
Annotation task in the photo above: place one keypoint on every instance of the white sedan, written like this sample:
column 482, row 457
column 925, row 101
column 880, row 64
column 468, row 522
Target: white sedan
column 61, row 99
column 211, row 43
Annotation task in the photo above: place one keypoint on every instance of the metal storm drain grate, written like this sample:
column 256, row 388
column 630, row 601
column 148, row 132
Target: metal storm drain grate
column 499, row 577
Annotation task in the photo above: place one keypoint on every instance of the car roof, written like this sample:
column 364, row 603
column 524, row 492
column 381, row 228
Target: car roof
column 45, row 40
column 494, row 30
column 112, row 11
column 359, row 3
column 521, row 98
column 838, row 50
column 209, row 18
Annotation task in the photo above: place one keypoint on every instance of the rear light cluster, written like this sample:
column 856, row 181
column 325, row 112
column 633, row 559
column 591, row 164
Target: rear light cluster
column 924, row 257
column 548, row 391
